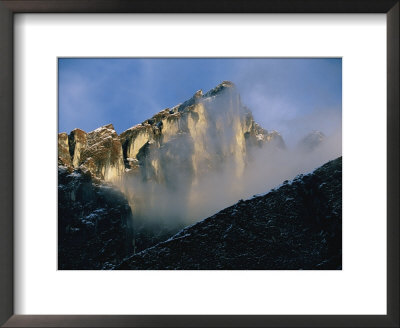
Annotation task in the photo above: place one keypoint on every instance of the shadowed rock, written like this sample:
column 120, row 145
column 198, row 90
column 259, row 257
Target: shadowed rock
column 297, row 226
column 94, row 223
column 77, row 143
column 64, row 157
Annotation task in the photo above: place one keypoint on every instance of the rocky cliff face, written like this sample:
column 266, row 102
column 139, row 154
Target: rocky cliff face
column 64, row 157
column 175, row 149
column 77, row 143
column 296, row 226
column 98, row 152
column 102, row 155
column 207, row 129
column 201, row 134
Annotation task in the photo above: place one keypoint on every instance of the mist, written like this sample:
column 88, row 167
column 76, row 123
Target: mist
column 206, row 168
column 266, row 169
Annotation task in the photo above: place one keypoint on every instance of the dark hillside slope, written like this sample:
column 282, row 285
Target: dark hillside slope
column 94, row 223
column 296, row 226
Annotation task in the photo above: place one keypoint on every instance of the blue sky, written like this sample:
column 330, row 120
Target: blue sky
column 292, row 96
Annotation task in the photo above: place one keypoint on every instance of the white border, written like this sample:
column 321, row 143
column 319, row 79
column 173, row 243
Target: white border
column 360, row 288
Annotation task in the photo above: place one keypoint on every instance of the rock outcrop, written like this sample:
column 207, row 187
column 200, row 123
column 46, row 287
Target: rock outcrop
column 77, row 143
column 64, row 157
column 296, row 226
column 102, row 155
column 98, row 152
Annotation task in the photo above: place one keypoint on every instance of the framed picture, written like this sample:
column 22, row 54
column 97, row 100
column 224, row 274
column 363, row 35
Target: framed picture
column 182, row 165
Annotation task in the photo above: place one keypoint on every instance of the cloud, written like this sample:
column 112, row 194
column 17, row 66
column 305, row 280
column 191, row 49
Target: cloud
column 292, row 96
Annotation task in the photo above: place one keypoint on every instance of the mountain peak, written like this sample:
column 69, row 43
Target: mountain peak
column 228, row 84
column 223, row 86
column 312, row 140
column 77, row 131
column 198, row 94
column 104, row 127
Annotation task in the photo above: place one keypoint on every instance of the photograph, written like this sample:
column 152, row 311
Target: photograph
column 199, row 178
column 199, row 163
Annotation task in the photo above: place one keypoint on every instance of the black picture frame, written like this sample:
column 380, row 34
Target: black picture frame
column 10, row 7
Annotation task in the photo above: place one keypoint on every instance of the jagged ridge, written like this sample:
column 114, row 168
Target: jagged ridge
column 107, row 156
